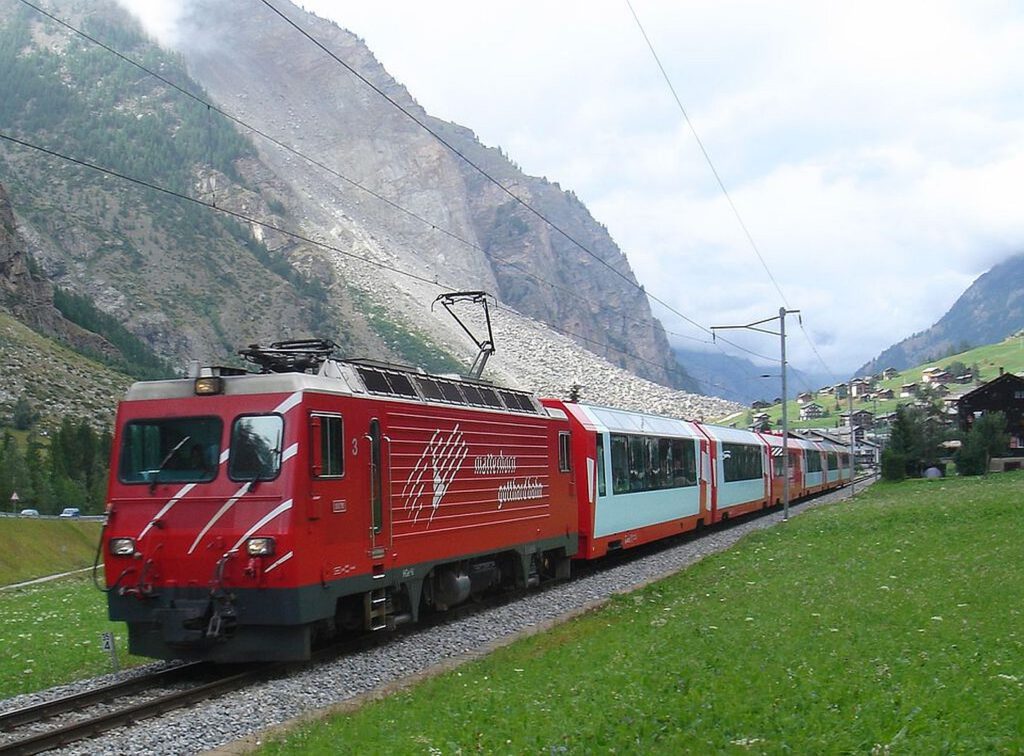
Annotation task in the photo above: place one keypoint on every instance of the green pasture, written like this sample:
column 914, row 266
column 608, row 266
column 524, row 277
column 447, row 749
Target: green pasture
column 32, row 548
column 892, row 623
column 51, row 633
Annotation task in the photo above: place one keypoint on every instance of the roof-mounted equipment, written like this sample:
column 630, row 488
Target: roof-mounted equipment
column 297, row 356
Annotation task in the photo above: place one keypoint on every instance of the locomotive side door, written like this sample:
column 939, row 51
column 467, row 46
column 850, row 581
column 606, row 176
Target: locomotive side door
column 329, row 510
column 380, row 489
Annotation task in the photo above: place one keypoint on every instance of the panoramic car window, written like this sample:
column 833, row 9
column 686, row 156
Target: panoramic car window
column 741, row 462
column 256, row 447
column 171, row 450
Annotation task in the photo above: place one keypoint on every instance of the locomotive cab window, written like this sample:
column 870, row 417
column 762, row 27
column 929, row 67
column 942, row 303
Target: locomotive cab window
column 563, row 452
column 329, row 437
column 171, row 450
column 256, row 447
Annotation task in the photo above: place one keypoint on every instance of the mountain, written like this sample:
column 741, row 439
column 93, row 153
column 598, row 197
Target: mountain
column 201, row 236
column 740, row 380
column 418, row 206
column 991, row 309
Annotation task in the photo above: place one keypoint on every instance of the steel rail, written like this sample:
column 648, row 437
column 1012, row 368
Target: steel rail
column 88, row 728
column 77, row 701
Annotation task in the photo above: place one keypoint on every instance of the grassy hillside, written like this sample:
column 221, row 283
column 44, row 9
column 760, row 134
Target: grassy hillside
column 1008, row 355
column 891, row 623
column 31, row 548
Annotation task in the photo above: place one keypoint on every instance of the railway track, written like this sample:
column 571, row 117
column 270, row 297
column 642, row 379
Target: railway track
column 62, row 721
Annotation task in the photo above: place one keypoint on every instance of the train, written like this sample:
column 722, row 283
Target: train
column 252, row 515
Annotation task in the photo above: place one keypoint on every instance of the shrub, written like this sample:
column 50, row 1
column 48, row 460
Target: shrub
column 894, row 465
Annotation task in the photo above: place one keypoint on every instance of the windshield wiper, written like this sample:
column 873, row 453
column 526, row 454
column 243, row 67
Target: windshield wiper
column 156, row 473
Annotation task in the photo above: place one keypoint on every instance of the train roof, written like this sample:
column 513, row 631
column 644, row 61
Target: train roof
column 350, row 378
column 732, row 435
column 626, row 421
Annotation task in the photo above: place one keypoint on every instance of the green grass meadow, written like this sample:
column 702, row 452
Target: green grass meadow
column 50, row 633
column 889, row 624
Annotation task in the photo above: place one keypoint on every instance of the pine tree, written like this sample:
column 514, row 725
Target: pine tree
column 23, row 415
column 987, row 438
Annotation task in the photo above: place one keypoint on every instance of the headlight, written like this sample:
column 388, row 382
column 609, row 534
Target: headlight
column 122, row 546
column 209, row 384
column 260, row 546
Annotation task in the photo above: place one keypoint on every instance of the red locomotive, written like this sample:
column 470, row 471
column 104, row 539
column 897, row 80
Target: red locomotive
column 250, row 514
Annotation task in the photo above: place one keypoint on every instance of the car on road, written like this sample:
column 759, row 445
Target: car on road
column 71, row 512
column 30, row 513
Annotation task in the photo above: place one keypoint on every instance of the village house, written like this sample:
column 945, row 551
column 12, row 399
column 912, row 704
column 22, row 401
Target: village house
column 803, row 397
column 861, row 419
column 889, row 373
column 1003, row 394
column 935, row 375
column 861, row 386
column 908, row 391
column 812, row 411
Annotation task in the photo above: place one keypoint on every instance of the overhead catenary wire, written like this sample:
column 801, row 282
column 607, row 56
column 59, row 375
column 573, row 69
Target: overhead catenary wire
column 468, row 161
column 718, row 178
column 442, row 286
column 211, row 107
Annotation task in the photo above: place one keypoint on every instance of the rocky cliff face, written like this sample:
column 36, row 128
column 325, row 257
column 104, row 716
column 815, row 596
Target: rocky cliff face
column 28, row 296
column 460, row 230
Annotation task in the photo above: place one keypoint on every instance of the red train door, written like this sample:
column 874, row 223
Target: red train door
column 380, row 489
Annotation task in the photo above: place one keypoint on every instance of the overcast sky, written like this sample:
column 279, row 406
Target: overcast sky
column 875, row 150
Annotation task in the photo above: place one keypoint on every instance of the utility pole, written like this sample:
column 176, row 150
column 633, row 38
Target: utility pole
column 781, row 333
column 849, row 396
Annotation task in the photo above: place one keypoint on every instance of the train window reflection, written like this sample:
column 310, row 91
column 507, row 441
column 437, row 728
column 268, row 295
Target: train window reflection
column 646, row 463
column 256, row 447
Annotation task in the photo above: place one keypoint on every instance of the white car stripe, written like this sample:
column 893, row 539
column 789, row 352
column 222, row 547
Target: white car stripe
column 220, row 513
column 279, row 509
column 280, row 561
column 288, row 403
column 166, row 508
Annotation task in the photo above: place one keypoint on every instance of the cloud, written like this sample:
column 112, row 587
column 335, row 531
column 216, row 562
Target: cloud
column 159, row 19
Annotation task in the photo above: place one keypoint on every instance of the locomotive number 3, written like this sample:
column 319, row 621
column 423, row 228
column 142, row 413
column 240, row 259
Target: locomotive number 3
column 355, row 447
